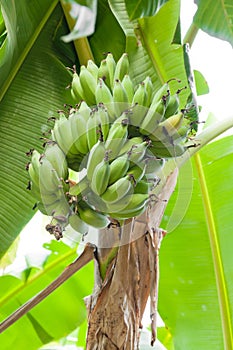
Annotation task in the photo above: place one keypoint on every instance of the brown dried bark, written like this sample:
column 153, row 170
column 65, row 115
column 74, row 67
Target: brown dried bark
column 116, row 307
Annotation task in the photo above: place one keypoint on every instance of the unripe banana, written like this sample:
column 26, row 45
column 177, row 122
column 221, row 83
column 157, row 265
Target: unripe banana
column 129, row 203
column 137, row 153
column 154, row 165
column 80, row 188
column 96, row 155
column 143, row 187
column 129, row 87
column 152, row 118
column 140, row 95
column 62, row 134
column 104, row 121
column 78, row 124
column 57, row 158
column 93, row 129
column 119, row 93
column 117, row 135
column 78, row 224
column 123, row 216
column 136, row 173
column 118, row 190
column 100, row 178
column 104, row 96
column 130, row 143
column 92, row 217
column 122, row 67
column 104, row 73
column 118, row 168
column 49, row 179
column 167, row 128
column 95, row 201
column 93, row 69
column 172, row 106
column 76, row 88
column 166, row 149
column 111, row 66
column 149, row 90
column 88, row 83
column 120, row 98
column 161, row 93
column 34, row 167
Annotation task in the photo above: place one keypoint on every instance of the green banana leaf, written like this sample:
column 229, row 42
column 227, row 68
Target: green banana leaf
column 32, row 89
column 196, row 261
column 215, row 18
column 151, row 48
column 59, row 314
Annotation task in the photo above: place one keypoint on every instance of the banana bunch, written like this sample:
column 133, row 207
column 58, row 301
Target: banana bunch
column 119, row 134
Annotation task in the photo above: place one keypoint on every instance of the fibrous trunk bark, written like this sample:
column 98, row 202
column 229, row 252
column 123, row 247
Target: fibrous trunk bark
column 116, row 307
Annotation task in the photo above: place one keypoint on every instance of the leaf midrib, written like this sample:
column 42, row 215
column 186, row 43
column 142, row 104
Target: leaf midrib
column 26, row 50
column 217, row 259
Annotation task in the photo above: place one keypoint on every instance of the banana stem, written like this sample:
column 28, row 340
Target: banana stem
column 81, row 45
column 206, row 136
column 191, row 34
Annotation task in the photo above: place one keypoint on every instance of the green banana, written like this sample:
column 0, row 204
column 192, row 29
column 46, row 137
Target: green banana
column 88, row 83
column 80, row 188
column 152, row 118
column 57, row 158
column 120, row 98
column 117, row 135
column 173, row 104
column 129, row 203
column 95, row 156
column 154, row 165
column 143, row 187
column 49, row 179
column 167, row 149
column 34, row 168
column 76, row 88
column 93, row 129
column 92, row 217
column 136, row 173
column 111, row 66
column 149, row 90
column 118, row 168
column 103, row 73
column 129, row 87
column 93, row 69
column 104, row 121
column 137, row 152
column 78, row 123
column 122, row 67
column 62, row 134
column 167, row 128
column 130, row 143
column 140, row 95
column 100, row 177
column 118, row 190
column 95, row 201
column 127, row 215
column 104, row 96
column 161, row 93
column 77, row 223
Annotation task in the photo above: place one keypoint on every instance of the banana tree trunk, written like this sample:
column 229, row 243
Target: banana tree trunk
column 116, row 307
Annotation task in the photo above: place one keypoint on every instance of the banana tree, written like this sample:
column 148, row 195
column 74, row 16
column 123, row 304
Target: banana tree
column 195, row 279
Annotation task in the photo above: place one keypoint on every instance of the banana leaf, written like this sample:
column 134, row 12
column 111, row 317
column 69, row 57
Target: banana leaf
column 59, row 314
column 215, row 18
column 32, row 88
column 196, row 262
